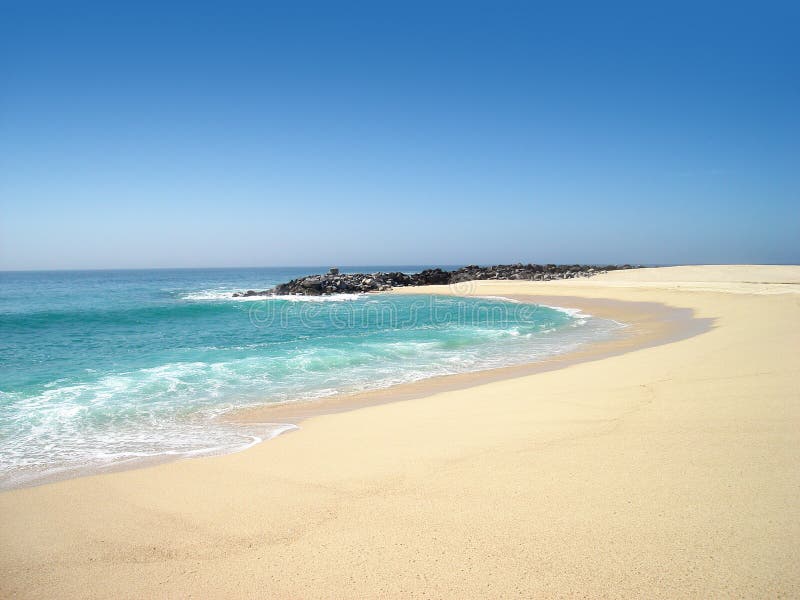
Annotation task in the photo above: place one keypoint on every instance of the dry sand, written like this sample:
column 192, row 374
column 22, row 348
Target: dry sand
column 668, row 471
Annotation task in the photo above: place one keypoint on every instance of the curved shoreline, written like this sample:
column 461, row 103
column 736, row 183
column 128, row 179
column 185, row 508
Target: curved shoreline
column 647, row 324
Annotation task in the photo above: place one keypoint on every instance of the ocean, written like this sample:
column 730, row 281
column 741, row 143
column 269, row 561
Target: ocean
column 103, row 368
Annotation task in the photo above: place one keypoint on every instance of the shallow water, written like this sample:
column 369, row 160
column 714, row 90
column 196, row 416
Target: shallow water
column 101, row 367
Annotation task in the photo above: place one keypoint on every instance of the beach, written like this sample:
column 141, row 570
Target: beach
column 666, row 468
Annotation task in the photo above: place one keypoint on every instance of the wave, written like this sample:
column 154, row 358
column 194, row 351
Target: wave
column 227, row 295
column 218, row 296
column 504, row 299
column 579, row 317
column 141, row 387
column 21, row 469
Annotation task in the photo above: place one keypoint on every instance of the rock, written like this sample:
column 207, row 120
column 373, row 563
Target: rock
column 313, row 283
column 335, row 283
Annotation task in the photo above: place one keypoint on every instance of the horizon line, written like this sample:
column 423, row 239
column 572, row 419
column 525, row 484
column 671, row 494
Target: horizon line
column 433, row 265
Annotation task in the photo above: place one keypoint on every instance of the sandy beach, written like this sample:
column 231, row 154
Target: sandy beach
column 667, row 466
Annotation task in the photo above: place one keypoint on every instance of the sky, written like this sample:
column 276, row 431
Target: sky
column 192, row 134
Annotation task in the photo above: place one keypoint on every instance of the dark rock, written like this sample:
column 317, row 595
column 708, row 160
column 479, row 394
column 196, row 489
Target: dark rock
column 335, row 283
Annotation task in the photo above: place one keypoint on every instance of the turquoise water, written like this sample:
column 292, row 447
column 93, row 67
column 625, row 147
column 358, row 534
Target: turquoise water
column 102, row 367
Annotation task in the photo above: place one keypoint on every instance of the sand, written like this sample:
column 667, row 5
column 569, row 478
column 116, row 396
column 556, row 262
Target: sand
column 671, row 470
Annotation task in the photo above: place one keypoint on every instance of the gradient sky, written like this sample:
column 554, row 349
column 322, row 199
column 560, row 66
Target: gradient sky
column 136, row 134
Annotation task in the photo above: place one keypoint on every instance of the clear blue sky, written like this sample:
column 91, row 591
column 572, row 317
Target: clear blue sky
column 138, row 134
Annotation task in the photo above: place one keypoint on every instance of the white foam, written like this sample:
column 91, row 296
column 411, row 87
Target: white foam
column 227, row 295
column 502, row 299
column 329, row 298
column 575, row 313
column 32, row 472
column 218, row 295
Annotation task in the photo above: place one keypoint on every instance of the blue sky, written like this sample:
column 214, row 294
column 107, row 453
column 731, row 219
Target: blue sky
column 139, row 134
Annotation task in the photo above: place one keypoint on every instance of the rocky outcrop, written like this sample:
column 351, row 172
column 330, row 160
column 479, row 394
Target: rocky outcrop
column 334, row 282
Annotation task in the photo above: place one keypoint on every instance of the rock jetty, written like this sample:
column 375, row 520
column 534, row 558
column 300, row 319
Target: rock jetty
column 334, row 282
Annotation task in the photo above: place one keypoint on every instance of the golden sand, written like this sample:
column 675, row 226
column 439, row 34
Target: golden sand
column 671, row 470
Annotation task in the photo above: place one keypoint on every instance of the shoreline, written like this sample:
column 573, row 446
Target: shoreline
column 645, row 325
column 668, row 471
